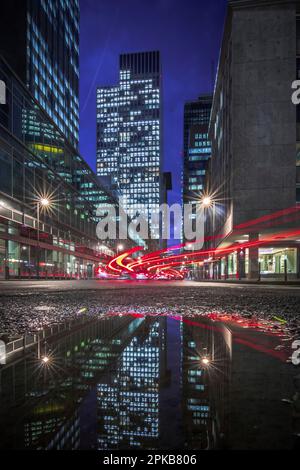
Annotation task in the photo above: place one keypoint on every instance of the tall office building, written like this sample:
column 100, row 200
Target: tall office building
column 197, row 148
column 129, row 134
column 129, row 403
column 36, row 161
column 40, row 41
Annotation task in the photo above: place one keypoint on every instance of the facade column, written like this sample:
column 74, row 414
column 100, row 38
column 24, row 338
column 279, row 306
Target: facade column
column 253, row 272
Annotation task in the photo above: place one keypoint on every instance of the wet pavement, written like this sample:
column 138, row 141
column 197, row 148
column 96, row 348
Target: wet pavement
column 214, row 362
column 30, row 310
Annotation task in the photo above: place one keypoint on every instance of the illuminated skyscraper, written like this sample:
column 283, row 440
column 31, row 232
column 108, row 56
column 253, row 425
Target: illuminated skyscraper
column 129, row 134
column 40, row 41
column 197, row 148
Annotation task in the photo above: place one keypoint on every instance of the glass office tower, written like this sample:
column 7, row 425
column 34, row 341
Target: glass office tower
column 36, row 161
column 197, row 148
column 129, row 135
column 40, row 41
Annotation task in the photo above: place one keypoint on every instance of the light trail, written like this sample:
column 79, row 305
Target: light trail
column 164, row 261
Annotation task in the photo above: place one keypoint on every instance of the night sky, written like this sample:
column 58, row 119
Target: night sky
column 188, row 34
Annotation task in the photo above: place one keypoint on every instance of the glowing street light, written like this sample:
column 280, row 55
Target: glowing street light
column 44, row 202
column 207, row 201
column 45, row 359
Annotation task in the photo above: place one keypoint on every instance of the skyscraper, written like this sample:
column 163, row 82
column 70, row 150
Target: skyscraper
column 129, row 134
column 37, row 161
column 40, row 41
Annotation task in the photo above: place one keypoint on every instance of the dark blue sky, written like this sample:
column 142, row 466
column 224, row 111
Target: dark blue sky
column 188, row 34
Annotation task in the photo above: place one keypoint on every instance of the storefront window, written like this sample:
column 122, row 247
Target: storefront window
column 232, row 264
column 14, row 258
column 272, row 260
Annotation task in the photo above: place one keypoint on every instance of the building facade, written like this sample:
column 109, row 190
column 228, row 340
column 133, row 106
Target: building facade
column 129, row 135
column 40, row 41
column 254, row 129
column 197, row 147
column 196, row 152
column 129, row 403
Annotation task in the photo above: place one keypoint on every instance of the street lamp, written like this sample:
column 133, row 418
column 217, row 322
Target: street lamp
column 208, row 202
column 205, row 361
column 44, row 202
column 119, row 248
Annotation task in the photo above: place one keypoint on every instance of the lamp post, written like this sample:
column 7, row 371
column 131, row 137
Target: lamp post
column 41, row 203
column 119, row 247
column 209, row 203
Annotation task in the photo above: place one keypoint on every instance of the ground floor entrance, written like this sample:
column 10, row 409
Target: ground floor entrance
column 266, row 262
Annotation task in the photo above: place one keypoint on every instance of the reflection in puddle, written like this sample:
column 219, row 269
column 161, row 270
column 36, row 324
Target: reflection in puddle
column 150, row 382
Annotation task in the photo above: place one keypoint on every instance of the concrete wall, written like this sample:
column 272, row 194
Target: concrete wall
column 263, row 116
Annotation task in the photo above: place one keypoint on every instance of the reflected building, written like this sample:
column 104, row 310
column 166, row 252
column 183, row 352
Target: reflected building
column 46, row 399
column 205, row 388
column 198, row 412
column 48, row 428
column 129, row 403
